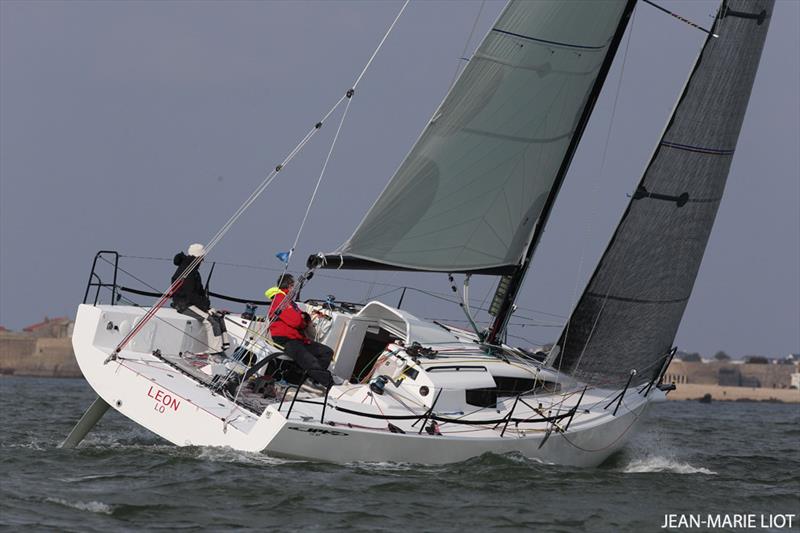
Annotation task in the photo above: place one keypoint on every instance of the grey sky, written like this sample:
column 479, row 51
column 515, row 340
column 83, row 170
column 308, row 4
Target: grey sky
column 141, row 126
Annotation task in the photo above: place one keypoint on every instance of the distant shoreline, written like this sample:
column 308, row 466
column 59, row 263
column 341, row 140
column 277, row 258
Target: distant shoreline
column 26, row 376
column 682, row 393
column 734, row 394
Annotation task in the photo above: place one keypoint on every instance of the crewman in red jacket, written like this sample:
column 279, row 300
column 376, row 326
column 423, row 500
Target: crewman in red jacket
column 287, row 327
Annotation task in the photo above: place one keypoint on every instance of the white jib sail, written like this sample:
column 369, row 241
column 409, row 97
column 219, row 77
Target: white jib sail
column 470, row 192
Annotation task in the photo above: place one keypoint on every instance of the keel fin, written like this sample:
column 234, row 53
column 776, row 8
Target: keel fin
column 91, row 417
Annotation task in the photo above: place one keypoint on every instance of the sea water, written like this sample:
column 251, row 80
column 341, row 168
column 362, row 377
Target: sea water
column 687, row 462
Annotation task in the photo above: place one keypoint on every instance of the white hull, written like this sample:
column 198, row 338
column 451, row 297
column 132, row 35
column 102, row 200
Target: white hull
column 181, row 409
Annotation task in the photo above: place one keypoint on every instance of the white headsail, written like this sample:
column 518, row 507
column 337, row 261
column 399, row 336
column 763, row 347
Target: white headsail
column 470, row 193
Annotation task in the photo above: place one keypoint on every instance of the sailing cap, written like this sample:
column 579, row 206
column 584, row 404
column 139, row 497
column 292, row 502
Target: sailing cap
column 196, row 250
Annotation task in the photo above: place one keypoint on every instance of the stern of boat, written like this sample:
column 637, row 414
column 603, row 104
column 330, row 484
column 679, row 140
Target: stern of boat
column 143, row 387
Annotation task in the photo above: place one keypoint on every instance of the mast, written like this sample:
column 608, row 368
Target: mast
column 514, row 281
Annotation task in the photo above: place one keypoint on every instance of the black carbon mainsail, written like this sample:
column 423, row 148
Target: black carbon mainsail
column 630, row 311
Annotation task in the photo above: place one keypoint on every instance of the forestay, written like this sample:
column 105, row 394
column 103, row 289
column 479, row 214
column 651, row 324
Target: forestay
column 471, row 191
column 629, row 314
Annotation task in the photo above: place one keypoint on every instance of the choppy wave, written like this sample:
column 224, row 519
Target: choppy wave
column 229, row 455
column 123, row 475
column 123, row 439
column 92, row 506
column 32, row 445
column 488, row 460
column 380, row 466
column 663, row 464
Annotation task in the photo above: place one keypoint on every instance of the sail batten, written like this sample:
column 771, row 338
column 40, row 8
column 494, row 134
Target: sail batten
column 698, row 149
column 629, row 313
column 472, row 190
column 553, row 43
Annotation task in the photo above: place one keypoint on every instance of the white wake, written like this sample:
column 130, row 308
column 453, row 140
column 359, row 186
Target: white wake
column 94, row 507
column 663, row 464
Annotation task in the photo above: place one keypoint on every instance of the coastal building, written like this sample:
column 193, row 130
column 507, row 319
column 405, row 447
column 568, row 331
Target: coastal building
column 51, row 327
column 42, row 349
column 732, row 374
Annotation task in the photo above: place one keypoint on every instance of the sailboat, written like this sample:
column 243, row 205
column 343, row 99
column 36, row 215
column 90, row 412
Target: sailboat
column 472, row 197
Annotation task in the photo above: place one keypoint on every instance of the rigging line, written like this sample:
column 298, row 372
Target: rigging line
column 385, row 293
column 463, row 56
column 145, row 257
column 358, row 80
column 319, row 181
column 202, row 342
column 371, row 287
column 270, row 177
column 176, row 284
column 221, row 233
column 516, row 324
column 538, row 311
column 266, row 182
column 593, row 213
column 168, row 323
column 348, row 95
column 341, row 278
column 154, row 289
column 653, row 223
column 132, row 276
column 439, row 296
column 147, row 316
column 684, row 20
column 533, row 342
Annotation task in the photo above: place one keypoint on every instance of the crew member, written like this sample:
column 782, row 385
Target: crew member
column 287, row 327
column 191, row 299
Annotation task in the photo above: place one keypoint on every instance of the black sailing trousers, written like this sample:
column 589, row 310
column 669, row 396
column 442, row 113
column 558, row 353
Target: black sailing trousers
column 313, row 358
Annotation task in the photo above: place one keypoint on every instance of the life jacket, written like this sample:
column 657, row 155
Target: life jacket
column 289, row 322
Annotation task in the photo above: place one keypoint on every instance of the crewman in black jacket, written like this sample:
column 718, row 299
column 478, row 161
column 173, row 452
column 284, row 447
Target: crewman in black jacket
column 191, row 299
